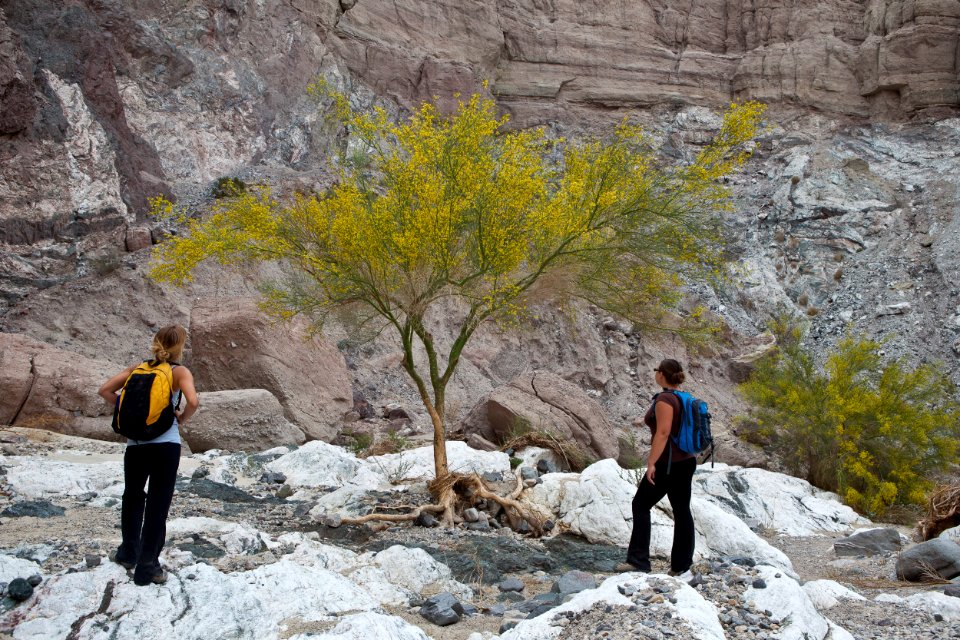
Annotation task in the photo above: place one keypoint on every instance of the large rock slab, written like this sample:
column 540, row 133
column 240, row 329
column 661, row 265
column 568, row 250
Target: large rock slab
column 597, row 505
column 199, row 601
column 242, row 420
column 236, row 346
column 937, row 557
column 869, row 543
column 49, row 388
column 788, row 505
column 543, row 401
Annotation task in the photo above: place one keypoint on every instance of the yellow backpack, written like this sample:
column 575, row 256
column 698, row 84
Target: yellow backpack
column 144, row 408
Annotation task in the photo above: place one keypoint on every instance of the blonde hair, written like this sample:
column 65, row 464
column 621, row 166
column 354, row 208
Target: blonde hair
column 168, row 343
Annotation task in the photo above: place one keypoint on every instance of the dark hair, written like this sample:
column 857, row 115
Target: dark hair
column 672, row 372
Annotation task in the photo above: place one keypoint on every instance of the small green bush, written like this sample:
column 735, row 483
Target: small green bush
column 515, row 462
column 875, row 431
column 361, row 443
column 227, row 187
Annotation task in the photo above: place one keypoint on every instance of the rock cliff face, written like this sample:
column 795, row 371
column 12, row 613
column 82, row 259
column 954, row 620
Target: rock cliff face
column 848, row 209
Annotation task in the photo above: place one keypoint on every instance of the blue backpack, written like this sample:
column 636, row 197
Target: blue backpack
column 694, row 436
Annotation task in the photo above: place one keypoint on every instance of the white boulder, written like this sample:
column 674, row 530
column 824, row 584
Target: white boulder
column 47, row 477
column 691, row 607
column 786, row 599
column 930, row 601
column 417, row 464
column 236, row 538
column 788, row 505
column 318, row 464
column 597, row 504
column 367, row 626
column 826, row 594
column 11, row 567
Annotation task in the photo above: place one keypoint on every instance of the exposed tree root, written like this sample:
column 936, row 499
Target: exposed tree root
column 455, row 492
column 943, row 512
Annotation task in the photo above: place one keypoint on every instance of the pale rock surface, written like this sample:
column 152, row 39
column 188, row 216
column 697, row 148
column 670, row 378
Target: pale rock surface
column 45, row 387
column 690, row 607
column 597, row 505
column 241, row 420
column 412, row 570
column 199, row 599
column 236, row 538
column 235, row 346
column 930, row 601
column 318, row 464
column 787, row 600
column 788, row 505
column 44, row 477
column 951, row 534
column 826, row 594
column 532, row 455
column 368, row 625
column 11, row 567
column 543, row 401
column 417, row 464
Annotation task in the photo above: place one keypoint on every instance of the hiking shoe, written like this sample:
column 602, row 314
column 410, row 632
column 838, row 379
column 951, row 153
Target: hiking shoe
column 123, row 563
column 158, row 578
column 625, row 567
column 672, row 572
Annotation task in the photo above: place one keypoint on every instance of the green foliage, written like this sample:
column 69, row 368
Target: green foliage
column 515, row 462
column 630, row 457
column 361, row 443
column 875, row 431
column 228, row 187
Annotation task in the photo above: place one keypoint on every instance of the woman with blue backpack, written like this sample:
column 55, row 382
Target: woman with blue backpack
column 146, row 399
column 669, row 473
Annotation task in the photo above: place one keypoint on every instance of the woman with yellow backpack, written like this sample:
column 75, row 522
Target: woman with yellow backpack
column 146, row 399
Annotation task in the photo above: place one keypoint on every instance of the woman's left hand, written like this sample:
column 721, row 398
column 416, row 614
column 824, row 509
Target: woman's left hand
column 650, row 471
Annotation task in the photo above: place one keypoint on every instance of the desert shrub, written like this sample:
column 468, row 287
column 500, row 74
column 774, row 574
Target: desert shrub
column 228, row 187
column 361, row 443
column 875, row 431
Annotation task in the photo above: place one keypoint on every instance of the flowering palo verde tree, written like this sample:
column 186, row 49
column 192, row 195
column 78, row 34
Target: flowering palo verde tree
column 456, row 207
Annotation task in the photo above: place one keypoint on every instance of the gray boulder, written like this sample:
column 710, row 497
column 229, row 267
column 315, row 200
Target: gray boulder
column 869, row 543
column 442, row 609
column 574, row 582
column 544, row 402
column 236, row 346
column 242, row 420
column 511, row 584
column 938, row 557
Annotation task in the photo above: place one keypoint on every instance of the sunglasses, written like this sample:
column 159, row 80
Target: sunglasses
column 657, row 371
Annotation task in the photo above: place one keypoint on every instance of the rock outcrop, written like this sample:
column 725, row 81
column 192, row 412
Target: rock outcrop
column 543, row 402
column 234, row 346
column 242, row 420
column 49, row 388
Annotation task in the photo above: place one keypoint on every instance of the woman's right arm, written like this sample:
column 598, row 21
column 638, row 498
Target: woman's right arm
column 108, row 390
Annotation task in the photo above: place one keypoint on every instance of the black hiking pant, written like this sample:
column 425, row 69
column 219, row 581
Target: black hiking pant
column 143, row 515
column 677, row 487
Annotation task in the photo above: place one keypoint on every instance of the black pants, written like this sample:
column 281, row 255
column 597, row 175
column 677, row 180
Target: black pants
column 143, row 516
column 677, row 487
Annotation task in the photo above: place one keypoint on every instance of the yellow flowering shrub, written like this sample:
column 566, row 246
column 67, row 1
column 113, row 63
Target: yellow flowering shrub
column 877, row 432
column 455, row 206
